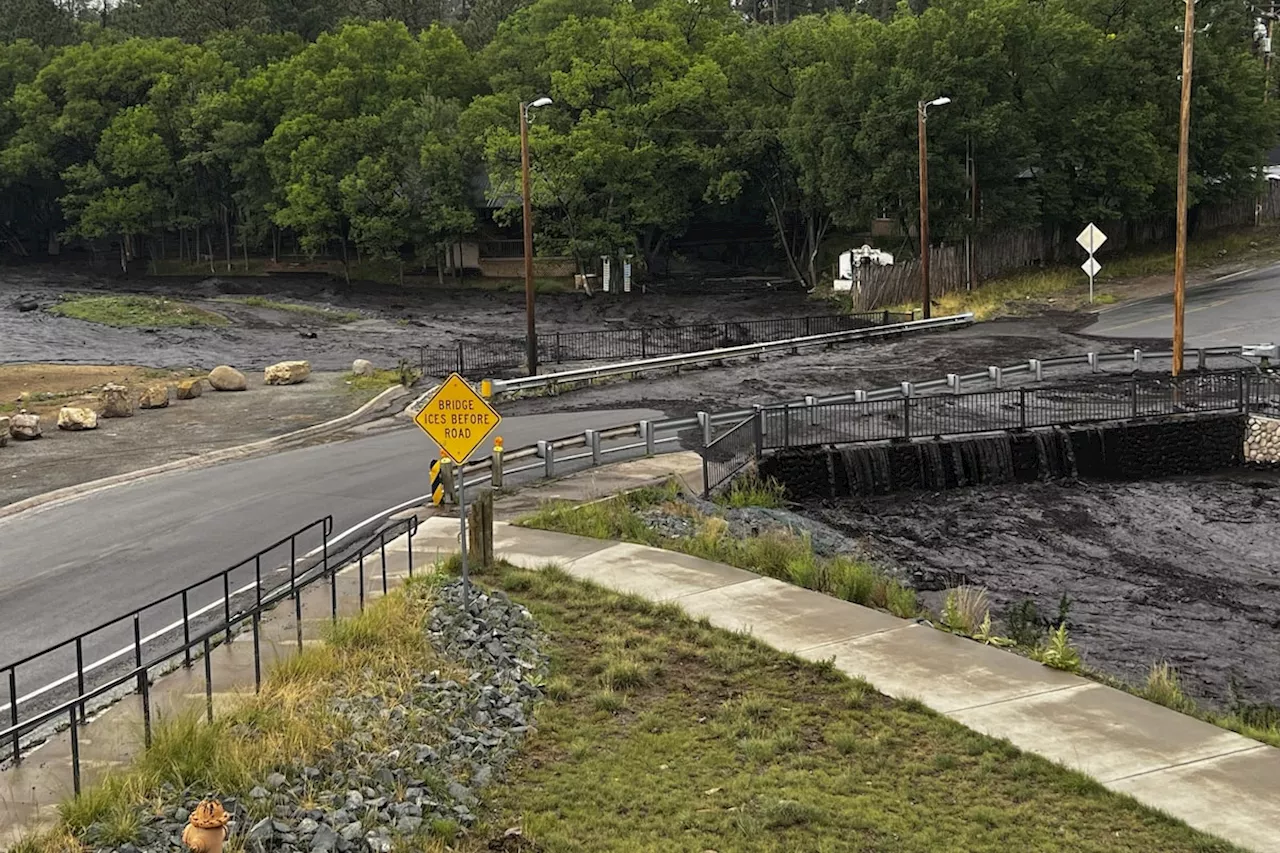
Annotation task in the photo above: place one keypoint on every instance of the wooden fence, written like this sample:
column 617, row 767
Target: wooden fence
column 1007, row 252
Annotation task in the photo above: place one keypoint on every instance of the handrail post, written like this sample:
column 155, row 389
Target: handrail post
column 953, row 382
column 1022, row 409
column 811, row 403
column 13, row 714
column 757, row 427
column 647, row 432
column 906, row 417
column 186, row 635
column 996, row 375
column 592, row 438
column 1037, row 369
column 547, row 450
column 704, row 421
column 80, row 674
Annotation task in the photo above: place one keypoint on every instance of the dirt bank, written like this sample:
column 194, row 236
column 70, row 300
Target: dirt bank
column 156, row 436
column 1185, row 571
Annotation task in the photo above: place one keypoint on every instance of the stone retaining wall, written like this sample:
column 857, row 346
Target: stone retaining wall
column 1262, row 441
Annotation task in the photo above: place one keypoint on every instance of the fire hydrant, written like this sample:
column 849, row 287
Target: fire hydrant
column 206, row 829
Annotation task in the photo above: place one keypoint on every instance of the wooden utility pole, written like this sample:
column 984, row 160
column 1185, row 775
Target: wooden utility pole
column 531, row 334
column 1184, row 133
column 1266, row 96
column 924, row 211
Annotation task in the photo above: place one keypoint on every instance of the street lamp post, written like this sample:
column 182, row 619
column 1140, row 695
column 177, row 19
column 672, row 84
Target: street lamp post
column 531, row 334
column 922, row 114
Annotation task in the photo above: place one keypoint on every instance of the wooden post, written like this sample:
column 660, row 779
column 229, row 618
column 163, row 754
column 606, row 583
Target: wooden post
column 480, row 529
column 1180, row 249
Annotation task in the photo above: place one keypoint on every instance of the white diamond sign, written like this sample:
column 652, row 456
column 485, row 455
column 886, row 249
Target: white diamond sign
column 1091, row 267
column 1091, row 239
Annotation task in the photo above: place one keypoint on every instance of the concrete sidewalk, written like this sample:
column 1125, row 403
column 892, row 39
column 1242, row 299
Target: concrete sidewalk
column 1215, row 780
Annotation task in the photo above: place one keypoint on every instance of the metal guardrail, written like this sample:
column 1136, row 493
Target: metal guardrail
column 470, row 358
column 198, row 635
column 586, row 374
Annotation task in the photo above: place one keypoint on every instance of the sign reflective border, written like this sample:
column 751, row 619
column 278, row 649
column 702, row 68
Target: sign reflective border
column 457, row 419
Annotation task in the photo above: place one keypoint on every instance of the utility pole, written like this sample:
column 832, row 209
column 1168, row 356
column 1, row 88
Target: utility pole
column 1266, row 96
column 1184, row 133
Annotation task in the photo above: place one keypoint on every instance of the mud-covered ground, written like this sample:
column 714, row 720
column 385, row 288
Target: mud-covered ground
column 1185, row 570
column 842, row 369
column 393, row 321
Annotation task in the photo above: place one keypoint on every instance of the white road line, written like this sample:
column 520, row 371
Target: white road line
column 421, row 499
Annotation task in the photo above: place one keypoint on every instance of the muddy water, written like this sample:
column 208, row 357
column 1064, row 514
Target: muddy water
column 394, row 321
column 1185, row 571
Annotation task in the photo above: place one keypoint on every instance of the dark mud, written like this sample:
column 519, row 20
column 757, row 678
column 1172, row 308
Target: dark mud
column 393, row 321
column 1185, row 570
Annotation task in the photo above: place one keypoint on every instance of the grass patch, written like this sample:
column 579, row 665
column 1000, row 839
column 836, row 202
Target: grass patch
column 136, row 311
column 289, row 722
column 731, row 745
column 777, row 553
column 315, row 311
column 379, row 380
column 753, row 492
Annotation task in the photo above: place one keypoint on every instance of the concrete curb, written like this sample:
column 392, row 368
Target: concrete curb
column 201, row 461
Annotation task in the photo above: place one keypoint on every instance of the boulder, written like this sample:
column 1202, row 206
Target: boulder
column 116, row 401
column 24, row 426
column 154, row 396
column 25, row 303
column 76, row 418
column 224, row 378
column 189, row 389
column 362, row 367
column 4, row 431
column 287, row 373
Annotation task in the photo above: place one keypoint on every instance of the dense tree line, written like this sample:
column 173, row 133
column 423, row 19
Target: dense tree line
column 361, row 125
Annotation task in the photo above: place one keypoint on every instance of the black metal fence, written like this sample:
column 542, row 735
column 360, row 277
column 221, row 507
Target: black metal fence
column 1082, row 402
column 475, row 357
column 197, row 632
column 729, row 453
column 1006, row 409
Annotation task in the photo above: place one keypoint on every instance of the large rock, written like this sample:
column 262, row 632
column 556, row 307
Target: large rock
column 116, row 401
column 224, row 378
column 154, row 396
column 76, row 418
column 4, row 431
column 25, row 426
column 287, row 373
column 189, row 389
column 26, row 302
column 362, row 367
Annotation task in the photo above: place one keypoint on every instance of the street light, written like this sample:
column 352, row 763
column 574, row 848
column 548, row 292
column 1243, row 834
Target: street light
column 531, row 334
column 922, row 113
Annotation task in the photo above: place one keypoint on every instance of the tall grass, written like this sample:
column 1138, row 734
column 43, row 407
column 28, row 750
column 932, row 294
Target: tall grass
column 777, row 553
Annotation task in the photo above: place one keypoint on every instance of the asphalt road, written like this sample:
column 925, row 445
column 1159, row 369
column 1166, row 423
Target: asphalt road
column 72, row 566
column 1239, row 309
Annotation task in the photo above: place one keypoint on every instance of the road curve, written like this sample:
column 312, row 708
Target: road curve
column 1239, row 309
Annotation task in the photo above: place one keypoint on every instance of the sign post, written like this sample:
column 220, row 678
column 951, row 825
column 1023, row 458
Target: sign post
column 458, row 420
column 1091, row 240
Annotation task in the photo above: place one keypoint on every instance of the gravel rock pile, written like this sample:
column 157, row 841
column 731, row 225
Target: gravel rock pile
column 746, row 522
column 413, row 757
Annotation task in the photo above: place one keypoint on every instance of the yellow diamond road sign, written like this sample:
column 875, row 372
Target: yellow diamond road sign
column 457, row 418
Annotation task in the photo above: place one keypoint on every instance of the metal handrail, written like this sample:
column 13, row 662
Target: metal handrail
column 140, row 672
